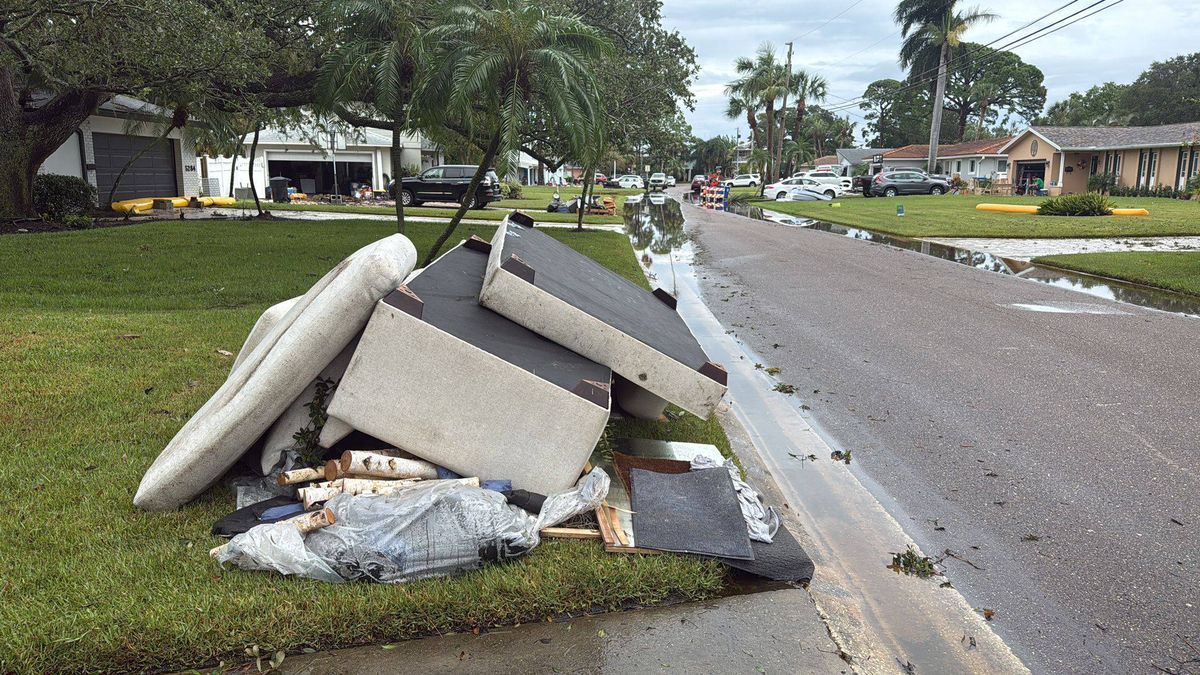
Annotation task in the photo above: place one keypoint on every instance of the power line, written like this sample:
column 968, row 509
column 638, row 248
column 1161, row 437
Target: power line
column 919, row 79
column 827, row 21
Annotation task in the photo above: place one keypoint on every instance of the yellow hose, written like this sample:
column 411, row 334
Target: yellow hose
column 1030, row 209
column 142, row 204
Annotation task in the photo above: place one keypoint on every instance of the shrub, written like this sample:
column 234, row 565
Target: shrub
column 511, row 189
column 1101, row 182
column 958, row 183
column 56, row 197
column 1083, row 204
column 1193, row 186
column 77, row 221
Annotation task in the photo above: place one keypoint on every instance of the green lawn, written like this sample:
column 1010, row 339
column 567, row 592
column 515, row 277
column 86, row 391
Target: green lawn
column 536, row 197
column 493, row 212
column 1173, row 270
column 109, row 344
column 955, row 216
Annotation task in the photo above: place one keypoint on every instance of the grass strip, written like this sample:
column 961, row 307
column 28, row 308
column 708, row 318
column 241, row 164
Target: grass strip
column 110, row 343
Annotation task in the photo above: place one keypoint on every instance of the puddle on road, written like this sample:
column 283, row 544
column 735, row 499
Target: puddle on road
column 1142, row 296
column 1067, row 308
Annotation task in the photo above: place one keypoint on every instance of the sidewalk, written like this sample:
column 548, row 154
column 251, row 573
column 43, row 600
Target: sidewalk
column 771, row 632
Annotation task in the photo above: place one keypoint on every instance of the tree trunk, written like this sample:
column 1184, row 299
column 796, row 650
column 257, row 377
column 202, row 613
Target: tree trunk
column 935, row 127
column 112, row 191
column 233, row 170
column 762, row 184
column 27, row 138
column 488, row 156
column 397, row 125
column 801, row 104
column 253, row 150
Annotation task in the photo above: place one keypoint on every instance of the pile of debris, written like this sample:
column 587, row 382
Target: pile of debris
column 458, row 408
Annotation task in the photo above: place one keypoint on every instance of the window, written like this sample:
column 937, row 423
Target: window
column 1141, row 172
column 1002, row 165
column 1195, row 164
column 454, row 172
column 1153, row 167
column 1116, row 170
column 972, row 169
column 432, row 173
column 1095, row 164
column 1108, row 162
column 958, row 166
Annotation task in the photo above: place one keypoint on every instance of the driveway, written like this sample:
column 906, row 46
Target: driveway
column 1050, row 439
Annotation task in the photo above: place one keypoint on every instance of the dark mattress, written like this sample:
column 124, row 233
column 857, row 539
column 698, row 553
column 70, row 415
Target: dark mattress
column 450, row 290
column 587, row 285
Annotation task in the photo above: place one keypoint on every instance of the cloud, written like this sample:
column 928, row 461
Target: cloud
column 1116, row 44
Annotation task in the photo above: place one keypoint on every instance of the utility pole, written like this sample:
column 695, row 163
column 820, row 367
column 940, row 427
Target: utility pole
column 783, row 111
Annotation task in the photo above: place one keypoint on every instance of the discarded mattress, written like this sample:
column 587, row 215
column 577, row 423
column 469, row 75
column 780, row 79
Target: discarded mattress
column 275, row 372
column 551, row 289
column 266, row 321
column 458, row 385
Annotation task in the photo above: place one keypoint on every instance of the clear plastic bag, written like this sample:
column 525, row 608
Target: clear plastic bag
column 425, row 531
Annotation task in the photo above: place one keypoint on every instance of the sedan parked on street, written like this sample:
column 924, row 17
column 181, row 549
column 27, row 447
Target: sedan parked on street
column 629, row 181
column 781, row 189
column 907, row 182
column 658, row 181
column 670, row 181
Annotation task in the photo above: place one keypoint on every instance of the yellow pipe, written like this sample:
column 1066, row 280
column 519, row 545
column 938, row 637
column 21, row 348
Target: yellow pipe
column 1030, row 209
column 146, row 203
column 1007, row 208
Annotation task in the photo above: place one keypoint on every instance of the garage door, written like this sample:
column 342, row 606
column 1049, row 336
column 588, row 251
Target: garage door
column 152, row 175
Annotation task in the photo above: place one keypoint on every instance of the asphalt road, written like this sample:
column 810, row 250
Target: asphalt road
column 1056, row 451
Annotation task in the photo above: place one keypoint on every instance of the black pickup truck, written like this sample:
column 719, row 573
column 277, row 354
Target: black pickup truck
column 447, row 183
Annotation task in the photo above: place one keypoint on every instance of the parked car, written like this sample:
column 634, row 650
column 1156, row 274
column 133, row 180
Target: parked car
column 631, row 181
column 805, row 194
column 862, row 184
column 744, row 180
column 826, row 176
column 670, row 181
column 699, row 181
column 658, row 181
column 907, row 182
column 448, row 183
column 780, row 189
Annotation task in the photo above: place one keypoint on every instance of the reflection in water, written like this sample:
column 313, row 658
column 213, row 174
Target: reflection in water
column 655, row 226
column 659, row 229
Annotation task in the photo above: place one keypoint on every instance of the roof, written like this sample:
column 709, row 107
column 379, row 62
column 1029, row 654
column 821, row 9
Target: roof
column 826, row 159
column 119, row 106
column 360, row 137
column 859, row 155
column 1115, row 138
column 986, row 146
column 908, row 152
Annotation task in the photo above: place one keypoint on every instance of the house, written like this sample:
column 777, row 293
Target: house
column 121, row 128
column 313, row 161
column 1065, row 157
column 822, row 161
column 850, row 158
column 971, row 160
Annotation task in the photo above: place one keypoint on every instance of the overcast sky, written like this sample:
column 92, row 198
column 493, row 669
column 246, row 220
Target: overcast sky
column 1116, row 44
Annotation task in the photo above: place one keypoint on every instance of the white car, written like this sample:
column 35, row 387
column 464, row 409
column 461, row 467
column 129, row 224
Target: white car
column 825, row 176
column 658, row 180
column 781, row 189
column 629, row 181
column 670, row 181
column 744, row 180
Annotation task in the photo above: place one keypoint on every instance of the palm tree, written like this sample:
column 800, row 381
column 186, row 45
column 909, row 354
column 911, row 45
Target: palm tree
column 763, row 79
column 505, row 64
column 806, row 87
column 797, row 151
column 377, row 62
column 740, row 105
column 932, row 28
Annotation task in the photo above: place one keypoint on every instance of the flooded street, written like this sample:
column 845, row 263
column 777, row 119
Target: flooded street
column 883, row 619
column 1034, row 439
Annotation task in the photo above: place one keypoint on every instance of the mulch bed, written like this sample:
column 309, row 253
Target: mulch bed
column 39, row 226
